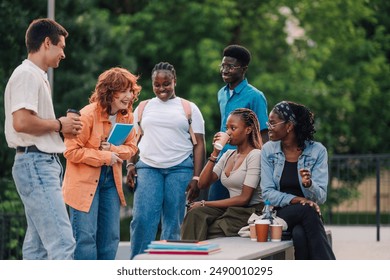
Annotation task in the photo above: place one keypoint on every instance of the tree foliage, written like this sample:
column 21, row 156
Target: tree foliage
column 332, row 55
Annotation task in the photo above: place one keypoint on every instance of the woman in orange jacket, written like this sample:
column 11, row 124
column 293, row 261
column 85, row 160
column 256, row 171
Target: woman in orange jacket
column 93, row 178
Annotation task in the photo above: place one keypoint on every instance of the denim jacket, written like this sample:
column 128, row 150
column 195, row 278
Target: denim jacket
column 314, row 157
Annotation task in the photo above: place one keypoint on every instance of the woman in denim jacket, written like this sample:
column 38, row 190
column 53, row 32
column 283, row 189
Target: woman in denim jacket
column 294, row 177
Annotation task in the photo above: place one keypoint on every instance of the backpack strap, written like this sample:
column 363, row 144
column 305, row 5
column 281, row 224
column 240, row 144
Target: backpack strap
column 188, row 111
column 141, row 108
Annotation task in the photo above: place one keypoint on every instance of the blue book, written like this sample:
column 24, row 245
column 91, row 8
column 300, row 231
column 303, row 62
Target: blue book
column 199, row 246
column 119, row 133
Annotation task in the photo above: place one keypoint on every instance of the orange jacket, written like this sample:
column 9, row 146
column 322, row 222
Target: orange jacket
column 84, row 159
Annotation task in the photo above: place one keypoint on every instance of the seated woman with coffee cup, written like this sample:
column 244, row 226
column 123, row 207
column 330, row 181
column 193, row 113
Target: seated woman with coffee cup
column 294, row 178
column 239, row 172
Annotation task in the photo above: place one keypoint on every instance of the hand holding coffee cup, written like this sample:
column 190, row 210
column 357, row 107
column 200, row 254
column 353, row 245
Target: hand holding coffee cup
column 71, row 124
column 221, row 138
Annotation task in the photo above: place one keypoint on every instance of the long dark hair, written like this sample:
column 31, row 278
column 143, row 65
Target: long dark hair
column 250, row 119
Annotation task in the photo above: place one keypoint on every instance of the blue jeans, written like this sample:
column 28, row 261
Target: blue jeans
column 159, row 194
column 38, row 179
column 97, row 232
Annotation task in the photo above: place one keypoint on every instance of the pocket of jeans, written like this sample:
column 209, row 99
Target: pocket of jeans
column 21, row 173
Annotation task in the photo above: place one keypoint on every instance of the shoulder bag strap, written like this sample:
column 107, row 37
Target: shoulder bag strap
column 188, row 111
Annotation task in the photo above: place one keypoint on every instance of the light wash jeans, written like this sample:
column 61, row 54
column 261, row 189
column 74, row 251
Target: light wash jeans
column 97, row 232
column 159, row 194
column 38, row 179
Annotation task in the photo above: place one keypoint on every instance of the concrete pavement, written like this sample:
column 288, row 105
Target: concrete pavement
column 359, row 242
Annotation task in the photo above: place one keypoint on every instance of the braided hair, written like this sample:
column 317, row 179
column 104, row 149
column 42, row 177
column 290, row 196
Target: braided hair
column 164, row 66
column 303, row 123
column 250, row 119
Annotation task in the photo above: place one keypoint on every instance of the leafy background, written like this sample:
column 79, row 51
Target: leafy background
column 331, row 55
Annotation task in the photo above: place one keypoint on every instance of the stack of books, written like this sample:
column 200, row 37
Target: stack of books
column 182, row 247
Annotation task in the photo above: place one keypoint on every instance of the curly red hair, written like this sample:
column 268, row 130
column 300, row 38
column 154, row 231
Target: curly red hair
column 111, row 82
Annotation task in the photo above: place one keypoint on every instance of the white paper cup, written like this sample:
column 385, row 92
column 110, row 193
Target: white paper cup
column 252, row 232
column 223, row 139
column 276, row 233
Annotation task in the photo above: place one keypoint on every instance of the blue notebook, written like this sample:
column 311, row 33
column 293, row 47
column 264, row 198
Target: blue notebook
column 197, row 246
column 119, row 133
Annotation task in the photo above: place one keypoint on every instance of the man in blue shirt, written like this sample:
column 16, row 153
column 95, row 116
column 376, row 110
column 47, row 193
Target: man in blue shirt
column 237, row 93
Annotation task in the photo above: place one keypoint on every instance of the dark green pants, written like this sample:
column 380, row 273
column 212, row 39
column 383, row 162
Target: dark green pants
column 206, row 222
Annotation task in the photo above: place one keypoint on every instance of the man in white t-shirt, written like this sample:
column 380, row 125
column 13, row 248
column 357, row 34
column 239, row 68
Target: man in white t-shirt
column 32, row 129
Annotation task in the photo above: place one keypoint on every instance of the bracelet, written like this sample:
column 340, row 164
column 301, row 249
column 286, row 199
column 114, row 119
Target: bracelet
column 196, row 178
column 212, row 160
column 129, row 164
column 214, row 157
column 202, row 203
column 60, row 123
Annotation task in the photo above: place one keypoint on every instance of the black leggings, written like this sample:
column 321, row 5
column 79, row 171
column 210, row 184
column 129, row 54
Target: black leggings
column 308, row 233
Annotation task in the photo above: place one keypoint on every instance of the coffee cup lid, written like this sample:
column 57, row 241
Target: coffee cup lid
column 262, row 222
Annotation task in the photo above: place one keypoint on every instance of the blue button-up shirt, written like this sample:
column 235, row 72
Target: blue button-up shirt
column 244, row 96
column 314, row 157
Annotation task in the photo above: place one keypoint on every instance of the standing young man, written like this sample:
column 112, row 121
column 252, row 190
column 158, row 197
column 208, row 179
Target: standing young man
column 32, row 129
column 237, row 93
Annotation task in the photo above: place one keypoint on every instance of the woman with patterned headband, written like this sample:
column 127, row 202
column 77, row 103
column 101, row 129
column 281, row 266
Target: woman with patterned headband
column 294, row 178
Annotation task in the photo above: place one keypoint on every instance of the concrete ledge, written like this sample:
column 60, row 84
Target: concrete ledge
column 235, row 248
column 232, row 248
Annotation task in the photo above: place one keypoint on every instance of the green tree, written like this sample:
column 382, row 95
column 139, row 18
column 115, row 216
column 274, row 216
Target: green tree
column 332, row 55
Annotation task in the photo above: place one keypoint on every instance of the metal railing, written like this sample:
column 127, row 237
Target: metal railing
column 359, row 190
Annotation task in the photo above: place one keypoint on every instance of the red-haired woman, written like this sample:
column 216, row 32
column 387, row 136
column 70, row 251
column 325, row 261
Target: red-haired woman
column 93, row 178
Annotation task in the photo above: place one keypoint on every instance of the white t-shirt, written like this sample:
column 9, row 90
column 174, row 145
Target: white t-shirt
column 29, row 88
column 166, row 141
column 247, row 174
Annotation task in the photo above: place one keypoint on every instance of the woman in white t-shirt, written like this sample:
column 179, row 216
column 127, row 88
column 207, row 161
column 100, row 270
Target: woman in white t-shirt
column 169, row 164
column 239, row 172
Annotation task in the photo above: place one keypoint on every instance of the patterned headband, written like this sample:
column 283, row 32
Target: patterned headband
column 284, row 109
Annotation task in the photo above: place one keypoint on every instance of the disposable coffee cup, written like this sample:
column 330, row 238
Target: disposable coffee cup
column 73, row 113
column 262, row 228
column 252, row 232
column 221, row 142
column 276, row 232
column 70, row 113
